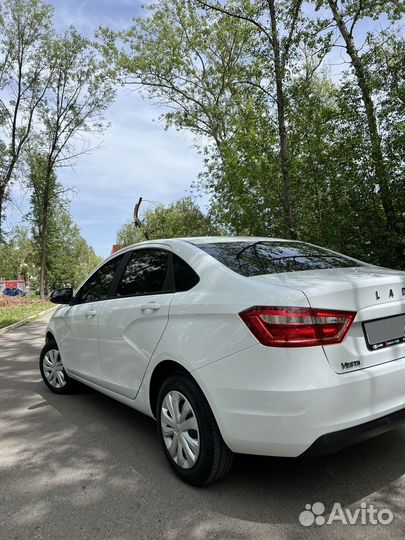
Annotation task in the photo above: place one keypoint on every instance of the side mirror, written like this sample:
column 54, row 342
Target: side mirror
column 61, row 296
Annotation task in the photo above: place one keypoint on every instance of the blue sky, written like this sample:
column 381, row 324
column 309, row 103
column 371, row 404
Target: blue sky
column 137, row 157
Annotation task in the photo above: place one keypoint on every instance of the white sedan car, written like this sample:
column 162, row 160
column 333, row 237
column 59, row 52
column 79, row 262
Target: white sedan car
column 252, row 345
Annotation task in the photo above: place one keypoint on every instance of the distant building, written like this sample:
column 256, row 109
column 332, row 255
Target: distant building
column 116, row 247
column 13, row 283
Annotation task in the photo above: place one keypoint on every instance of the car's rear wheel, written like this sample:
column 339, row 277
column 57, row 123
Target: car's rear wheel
column 52, row 370
column 190, row 436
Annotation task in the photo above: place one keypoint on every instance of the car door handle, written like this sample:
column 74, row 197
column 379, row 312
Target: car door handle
column 152, row 306
column 91, row 313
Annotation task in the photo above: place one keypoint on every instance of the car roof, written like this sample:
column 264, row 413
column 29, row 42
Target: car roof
column 189, row 240
column 198, row 240
column 227, row 239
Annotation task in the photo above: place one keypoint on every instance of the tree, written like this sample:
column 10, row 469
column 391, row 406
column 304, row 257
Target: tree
column 204, row 59
column 183, row 60
column 277, row 39
column 70, row 258
column 180, row 219
column 218, row 68
column 25, row 75
column 46, row 207
column 81, row 90
column 189, row 61
column 244, row 181
column 347, row 15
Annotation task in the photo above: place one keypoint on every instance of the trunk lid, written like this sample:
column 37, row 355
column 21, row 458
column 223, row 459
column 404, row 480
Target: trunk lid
column 372, row 292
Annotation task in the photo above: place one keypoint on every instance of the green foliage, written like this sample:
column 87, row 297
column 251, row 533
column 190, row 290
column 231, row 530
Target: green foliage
column 54, row 90
column 179, row 219
column 46, row 202
column 215, row 70
column 183, row 59
column 70, row 257
column 26, row 33
column 17, row 254
column 243, row 179
column 283, row 144
column 82, row 87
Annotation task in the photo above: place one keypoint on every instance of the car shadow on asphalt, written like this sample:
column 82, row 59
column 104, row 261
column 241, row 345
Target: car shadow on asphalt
column 88, row 455
column 262, row 489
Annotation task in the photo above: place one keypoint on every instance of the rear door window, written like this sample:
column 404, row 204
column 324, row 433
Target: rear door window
column 145, row 273
column 272, row 257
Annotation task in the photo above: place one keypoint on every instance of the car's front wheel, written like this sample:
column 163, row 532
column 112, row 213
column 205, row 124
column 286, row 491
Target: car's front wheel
column 189, row 434
column 52, row 370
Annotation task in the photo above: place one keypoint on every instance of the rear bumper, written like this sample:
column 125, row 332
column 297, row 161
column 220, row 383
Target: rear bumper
column 283, row 402
column 333, row 442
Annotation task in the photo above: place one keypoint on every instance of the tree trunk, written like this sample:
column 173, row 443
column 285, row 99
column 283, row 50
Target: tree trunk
column 2, row 201
column 44, row 238
column 42, row 281
column 381, row 176
column 288, row 214
column 289, row 220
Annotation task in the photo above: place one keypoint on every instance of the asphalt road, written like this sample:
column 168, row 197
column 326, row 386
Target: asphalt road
column 85, row 466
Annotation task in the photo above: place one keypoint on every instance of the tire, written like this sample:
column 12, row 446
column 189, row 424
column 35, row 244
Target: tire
column 50, row 363
column 212, row 459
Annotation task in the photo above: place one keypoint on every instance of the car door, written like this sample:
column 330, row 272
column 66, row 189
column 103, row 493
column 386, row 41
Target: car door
column 132, row 323
column 79, row 346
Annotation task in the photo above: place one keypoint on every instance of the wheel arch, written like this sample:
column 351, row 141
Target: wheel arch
column 49, row 337
column 162, row 371
column 222, row 453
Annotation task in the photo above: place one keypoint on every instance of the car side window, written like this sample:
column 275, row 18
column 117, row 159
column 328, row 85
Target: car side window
column 146, row 273
column 97, row 286
column 184, row 276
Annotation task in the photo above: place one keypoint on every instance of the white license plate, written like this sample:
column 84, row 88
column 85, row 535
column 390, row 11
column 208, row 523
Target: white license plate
column 385, row 332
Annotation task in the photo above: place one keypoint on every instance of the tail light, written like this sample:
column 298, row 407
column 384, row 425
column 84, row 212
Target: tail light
column 297, row 327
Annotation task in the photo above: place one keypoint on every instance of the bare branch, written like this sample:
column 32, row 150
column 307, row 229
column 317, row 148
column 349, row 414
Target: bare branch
column 288, row 42
column 224, row 11
column 355, row 18
column 258, row 86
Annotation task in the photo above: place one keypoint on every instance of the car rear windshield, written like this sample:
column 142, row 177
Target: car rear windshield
column 268, row 257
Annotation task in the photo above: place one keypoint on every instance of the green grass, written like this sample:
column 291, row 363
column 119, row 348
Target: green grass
column 14, row 309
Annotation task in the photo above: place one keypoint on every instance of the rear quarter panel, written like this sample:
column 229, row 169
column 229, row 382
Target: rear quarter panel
column 204, row 326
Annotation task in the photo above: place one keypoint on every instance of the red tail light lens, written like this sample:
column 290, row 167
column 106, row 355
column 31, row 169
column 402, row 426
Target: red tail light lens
column 297, row 327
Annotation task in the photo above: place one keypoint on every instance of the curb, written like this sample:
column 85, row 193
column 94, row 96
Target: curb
column 24, row 321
